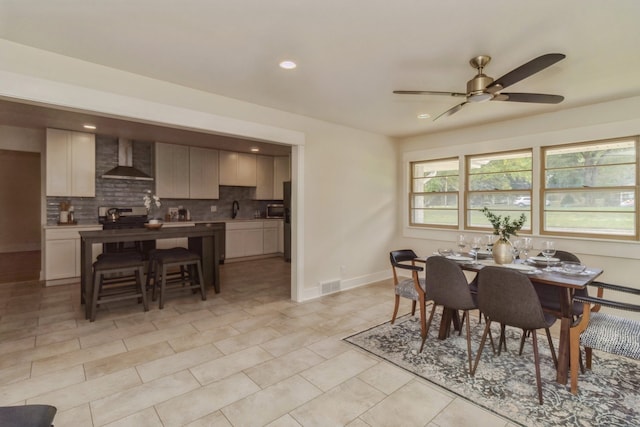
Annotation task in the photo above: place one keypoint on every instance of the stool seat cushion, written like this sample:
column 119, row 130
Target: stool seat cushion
column 175, row 257
column 120, row 255
column 110, row 263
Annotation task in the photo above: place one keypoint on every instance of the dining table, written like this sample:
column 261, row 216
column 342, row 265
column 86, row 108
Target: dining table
column 566, row 283
column 203, row 240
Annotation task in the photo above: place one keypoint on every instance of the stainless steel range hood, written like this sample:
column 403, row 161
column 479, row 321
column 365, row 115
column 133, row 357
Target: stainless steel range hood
column 125, row 169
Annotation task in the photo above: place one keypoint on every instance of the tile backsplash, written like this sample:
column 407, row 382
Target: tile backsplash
column 116, row 192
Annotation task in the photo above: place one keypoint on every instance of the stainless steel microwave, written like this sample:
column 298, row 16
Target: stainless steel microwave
column 275, row 211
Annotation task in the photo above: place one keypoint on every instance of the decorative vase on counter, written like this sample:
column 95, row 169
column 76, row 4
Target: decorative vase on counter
column 502, row 253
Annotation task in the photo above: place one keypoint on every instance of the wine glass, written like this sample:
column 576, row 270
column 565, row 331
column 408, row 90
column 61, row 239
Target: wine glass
column 548, row 250
column 527, row 245
column 516, row 247
column 476, row 244
column 489, row 239
column 462, row 242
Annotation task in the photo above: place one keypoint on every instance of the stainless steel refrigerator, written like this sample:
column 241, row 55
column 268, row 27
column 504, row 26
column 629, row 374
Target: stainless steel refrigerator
column 286, row 200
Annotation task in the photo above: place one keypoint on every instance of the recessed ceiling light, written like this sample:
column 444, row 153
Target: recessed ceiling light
column 424, row 116
column 87, row 126
column 288, row 65
column 255, row 149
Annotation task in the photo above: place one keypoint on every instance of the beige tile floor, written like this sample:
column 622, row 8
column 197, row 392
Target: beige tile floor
column 248, row 356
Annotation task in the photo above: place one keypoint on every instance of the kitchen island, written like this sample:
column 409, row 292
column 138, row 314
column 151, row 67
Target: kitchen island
column 204, row 240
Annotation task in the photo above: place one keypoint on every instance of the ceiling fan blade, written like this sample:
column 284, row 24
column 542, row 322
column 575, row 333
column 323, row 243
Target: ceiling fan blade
column 427, row 92
column 451, row 111
column 524, row 71
column 539, row 98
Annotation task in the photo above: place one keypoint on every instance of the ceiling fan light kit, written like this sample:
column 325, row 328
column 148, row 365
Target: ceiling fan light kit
column 483, row 88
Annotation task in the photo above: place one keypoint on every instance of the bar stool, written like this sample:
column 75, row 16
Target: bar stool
column 152, row 266
column 117, row 277
column 189, row 275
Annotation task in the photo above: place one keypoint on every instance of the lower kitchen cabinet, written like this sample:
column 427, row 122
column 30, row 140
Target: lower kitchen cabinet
column 270, row 237
column 251, row 238
column 62, row 253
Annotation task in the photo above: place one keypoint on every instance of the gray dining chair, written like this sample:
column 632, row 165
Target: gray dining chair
column 412, row 288
column 27, row 415
column 550, row 296
column 447, row 285
column 507, row 297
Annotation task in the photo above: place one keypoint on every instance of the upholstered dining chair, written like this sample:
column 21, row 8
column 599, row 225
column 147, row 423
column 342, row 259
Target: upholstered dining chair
column 607, row 332
column 412, row 288
column 27, row 416
column 447, row 285
column 550, row 295
column 507, row 296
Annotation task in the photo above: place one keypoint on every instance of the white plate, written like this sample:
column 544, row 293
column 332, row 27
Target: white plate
column 571, row 273
column 481, row 252
column 521, row 267
column 543, row 259
column 459, row 258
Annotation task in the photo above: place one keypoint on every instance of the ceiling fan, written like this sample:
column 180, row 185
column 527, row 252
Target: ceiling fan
column 483, row 88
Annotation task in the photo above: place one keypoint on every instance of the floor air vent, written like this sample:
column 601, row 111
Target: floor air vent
column 330, row 286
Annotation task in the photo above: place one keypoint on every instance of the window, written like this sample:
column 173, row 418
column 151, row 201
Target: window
column 501, row 182
column 434, row 193
column 591, row 189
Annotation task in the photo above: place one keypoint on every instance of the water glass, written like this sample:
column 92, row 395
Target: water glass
column 527, row 245
column 476, row 244
column 462, row 242
column 548, row 250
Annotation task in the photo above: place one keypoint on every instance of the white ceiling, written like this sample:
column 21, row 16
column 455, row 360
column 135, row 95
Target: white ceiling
column 351, row 54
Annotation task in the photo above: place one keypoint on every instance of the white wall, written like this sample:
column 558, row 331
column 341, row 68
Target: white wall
column 347, row 176
column 619, row 259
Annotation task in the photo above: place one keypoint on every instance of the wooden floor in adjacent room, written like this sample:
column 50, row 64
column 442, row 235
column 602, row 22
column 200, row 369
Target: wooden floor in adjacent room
column 19, row 266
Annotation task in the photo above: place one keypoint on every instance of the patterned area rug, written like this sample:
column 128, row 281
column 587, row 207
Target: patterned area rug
column 609, row 395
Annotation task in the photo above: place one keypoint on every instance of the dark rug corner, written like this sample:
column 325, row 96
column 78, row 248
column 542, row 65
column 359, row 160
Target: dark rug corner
column 609, row 395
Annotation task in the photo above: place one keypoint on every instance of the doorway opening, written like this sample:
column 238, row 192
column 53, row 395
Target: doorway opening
column 20, row 221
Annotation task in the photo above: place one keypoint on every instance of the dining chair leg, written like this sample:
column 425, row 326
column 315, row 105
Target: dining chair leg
column 426, row 332
column 423, row 316
column 487, row 329
column 503, row 339
column 536, row 358
column 468, row 341
column 464, row 317
column 552, row 348
column 395, row 309
column 522, row 338
column 413, row 307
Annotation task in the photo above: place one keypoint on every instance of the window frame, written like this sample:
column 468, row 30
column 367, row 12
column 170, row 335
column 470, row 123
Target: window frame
column 544, row 191
column 469, row 193
column 413, row 193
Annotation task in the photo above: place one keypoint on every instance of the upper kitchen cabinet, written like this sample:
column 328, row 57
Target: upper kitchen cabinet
column 271, row 173
column 264, row 175
column 172, row 171
column 282, row 173
column 71, row 163
column 237, row 169
column 203, row 173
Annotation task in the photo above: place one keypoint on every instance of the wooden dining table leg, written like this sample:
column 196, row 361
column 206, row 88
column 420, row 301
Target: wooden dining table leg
column 563, row 345
column 448, row 316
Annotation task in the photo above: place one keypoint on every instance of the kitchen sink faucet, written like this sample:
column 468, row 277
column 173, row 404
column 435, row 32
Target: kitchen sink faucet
column 235, row 207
